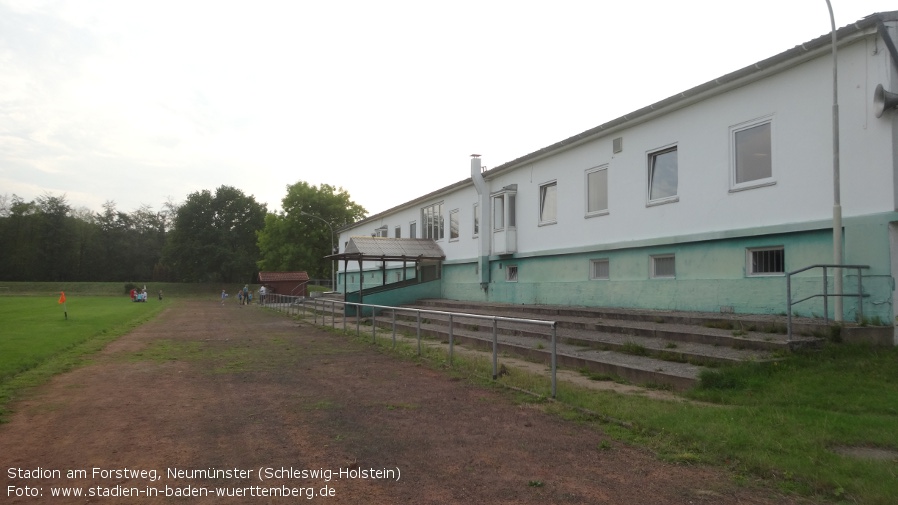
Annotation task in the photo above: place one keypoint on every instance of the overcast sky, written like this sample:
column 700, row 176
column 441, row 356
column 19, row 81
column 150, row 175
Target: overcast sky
column 139, row 102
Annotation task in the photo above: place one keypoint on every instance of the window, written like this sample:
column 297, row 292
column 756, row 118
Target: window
column 397, row 232
column 664, row 267
column 453, row 225
column 511, row 215
column 511, row 273
column 476, row 219
column 381, row 232
column 432, row 217
column 548, row 207
column 766, row 261
column 413, row 230
column 663, row 176
column 504, row 232
column 499, row 212
column 752, row 154
column 599, row 269
column 597, row 191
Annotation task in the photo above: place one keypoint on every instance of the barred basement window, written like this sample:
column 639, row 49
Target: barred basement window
column 664, row 267
column 766, row 261
column 599, row 269
column 511, row 273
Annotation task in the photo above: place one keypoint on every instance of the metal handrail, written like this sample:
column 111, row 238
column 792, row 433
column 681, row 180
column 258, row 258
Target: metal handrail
column 451, row 315
column 860, row 294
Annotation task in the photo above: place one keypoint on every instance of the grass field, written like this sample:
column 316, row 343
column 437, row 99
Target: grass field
column 38, row 340
column 782, row 422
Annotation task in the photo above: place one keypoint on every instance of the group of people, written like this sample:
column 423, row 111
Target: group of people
column 141, row 295
column 245, row 295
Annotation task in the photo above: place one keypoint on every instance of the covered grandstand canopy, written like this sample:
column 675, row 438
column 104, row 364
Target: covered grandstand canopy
column 390, row 249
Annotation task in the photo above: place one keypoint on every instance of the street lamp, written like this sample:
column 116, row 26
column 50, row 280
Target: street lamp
column 333, row 271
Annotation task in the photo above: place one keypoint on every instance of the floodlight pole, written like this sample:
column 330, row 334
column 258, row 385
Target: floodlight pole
column 333, row 270
column 837, row 198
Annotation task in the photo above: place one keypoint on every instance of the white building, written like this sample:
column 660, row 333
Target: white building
column 702, row 201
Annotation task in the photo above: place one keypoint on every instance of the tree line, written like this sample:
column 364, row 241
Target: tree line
column 224, row 236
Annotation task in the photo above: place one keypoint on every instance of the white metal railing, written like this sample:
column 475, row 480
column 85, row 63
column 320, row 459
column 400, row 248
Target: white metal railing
column 293, row 304
column 826, row 294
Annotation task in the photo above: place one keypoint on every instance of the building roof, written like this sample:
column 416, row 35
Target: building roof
column 759, row 70
column 391, row 249
column 282, row 276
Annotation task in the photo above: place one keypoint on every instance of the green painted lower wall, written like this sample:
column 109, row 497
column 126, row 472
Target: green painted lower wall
column 710, row 274
column 395, row 297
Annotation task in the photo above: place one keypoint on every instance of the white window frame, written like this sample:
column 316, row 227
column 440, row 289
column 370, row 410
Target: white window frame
column 397, row 232
column 382, row 231
column 499, row 212
column 547, row 205
column 597, row 212
column 413, row 229
column 593, row 269
column 434, row 225
column 755, row 183
column 511, row 273
column 654, row 264
column 502, row 201
column 651, row 156
column 750, row 262
column 454, row 231
column 476, row 223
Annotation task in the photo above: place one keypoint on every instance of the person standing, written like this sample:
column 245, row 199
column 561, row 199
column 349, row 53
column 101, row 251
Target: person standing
column 262, row 292
column 224, row 295
column 245, row 294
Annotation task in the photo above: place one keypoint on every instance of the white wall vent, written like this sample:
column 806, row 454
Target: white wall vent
column 618, row 145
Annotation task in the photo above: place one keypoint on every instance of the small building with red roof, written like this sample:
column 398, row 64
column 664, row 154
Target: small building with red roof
column 285, row 283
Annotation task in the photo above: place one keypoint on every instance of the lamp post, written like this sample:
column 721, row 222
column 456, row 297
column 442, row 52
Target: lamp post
column 837, row 198
column 333, row 272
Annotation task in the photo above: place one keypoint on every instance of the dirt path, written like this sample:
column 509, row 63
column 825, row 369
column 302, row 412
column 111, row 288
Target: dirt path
column 235, row 390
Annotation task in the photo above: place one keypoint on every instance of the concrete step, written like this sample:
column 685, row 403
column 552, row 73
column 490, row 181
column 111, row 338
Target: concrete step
column 666, row 327
column 760, row 323
column 633, row 368
column 667, row 348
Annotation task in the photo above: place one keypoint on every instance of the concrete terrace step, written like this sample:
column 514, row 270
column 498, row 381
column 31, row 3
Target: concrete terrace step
column 637, row 369
column 642, row 346
column 666, row 349
column 737, row 332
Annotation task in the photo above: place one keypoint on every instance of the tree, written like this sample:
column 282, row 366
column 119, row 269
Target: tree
column 18, row 234
column 214, row 236
column 56, row 237
column 298, row 237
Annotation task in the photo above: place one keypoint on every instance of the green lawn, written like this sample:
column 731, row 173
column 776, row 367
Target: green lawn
column 779, row 422
column 37, row 340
